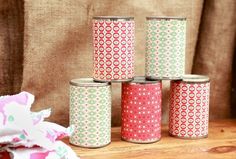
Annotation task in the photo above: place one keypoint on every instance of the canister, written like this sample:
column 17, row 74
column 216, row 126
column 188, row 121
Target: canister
column 165, row 47
column 113, row 41
column 141, row 111
column 90, row 113
column 189, row 107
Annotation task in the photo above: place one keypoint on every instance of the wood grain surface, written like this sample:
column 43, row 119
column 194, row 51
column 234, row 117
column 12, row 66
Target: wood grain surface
column 221, row 143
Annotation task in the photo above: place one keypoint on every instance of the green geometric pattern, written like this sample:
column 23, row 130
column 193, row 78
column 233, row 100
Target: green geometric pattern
column 165, row 48
column 90, row 112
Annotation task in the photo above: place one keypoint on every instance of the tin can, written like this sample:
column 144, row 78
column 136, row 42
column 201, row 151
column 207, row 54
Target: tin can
column 165, row 47
column 90, row 113
column 141, row 111
column 189, row 107
column 113, row 41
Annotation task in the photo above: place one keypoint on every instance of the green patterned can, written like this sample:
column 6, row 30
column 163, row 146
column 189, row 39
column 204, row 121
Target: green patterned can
column 90, row 113
column 165, row 47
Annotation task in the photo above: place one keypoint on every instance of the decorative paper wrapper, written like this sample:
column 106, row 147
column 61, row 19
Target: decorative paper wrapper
column 189, row 109
column 113, row 41
column 61, row 151
column 141, row 112
column 90, row 112
column 165, row 48
column 25, row 134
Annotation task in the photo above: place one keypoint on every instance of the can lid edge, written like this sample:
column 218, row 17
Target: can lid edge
column 89, row 82
column 142, row 80
column 113, row 18
column 165, row 17
column 192, row 78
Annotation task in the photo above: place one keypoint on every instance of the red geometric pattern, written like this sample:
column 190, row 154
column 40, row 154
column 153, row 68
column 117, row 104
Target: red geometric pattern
column 189, row 109
column 141, row 112
column 113, row 50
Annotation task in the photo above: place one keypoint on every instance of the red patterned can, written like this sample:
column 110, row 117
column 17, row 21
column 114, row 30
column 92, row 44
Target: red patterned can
column 189, row 107
column 141, row 111
column 113, row 40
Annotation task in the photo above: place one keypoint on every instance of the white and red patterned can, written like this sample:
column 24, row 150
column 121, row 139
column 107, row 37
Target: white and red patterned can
column 141, row 111
column 165, row 47
column 90, row 112
column 189, row 107
column 113, row 41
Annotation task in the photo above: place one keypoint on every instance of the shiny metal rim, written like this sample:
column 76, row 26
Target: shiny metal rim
column 142, row 80
column 188, row 138
column 163, row 78
column 165, row 17
column 140, row 141
column 90, row 147
column 114, row 18
column 87, row 82
column 114, row 81
column 193, row 78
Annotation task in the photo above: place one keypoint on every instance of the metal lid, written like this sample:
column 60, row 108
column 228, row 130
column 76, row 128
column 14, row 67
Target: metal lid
column 114, row 18
column 165, row 17
column 142, row 80
column 163, row 78
column 89, row 82
column 195, row 78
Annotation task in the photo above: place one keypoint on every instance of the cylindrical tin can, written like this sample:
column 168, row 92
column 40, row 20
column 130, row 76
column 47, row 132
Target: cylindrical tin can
column 90, row 113
column 189, row 107
column 141, row 111
column 165, row 47
column 113, row 40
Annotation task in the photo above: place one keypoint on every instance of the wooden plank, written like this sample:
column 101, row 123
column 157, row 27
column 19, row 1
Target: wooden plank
column 221, row 143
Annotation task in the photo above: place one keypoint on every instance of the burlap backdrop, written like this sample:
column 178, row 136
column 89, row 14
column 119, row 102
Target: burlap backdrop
column 58, row 47
column 11, row 45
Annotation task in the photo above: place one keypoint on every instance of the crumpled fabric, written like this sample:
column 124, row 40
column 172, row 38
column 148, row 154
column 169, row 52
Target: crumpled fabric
column 25, row 134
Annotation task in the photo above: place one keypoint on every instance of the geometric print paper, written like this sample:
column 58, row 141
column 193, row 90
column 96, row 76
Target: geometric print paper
column 189, row 109
column 141, row 112
column 165, row 48
column 90, row 112
column 113, row 50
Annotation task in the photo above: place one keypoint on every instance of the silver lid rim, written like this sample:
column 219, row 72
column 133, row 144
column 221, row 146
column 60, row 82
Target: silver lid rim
column 165, row 17
column 162, row 78
column 113, row 81
column 114, row 18
column 87, row 82
column 194, row 78
column 142, row 80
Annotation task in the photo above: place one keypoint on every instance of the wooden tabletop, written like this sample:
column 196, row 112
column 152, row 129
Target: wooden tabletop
column 221, row 143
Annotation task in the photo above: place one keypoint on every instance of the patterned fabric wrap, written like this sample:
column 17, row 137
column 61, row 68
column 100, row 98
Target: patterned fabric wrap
column 61, row 151
column 141, row 112
column 189, row 109
column 26, row 135
column 90, row 112
column 113, row 49
column 165, row 48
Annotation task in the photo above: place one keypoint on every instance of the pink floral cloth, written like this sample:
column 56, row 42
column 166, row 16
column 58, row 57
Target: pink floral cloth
column 25, row 134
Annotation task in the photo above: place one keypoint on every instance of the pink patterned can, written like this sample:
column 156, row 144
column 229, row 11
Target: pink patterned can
column 189, row 107
column 113, row 41
column 141, row 111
